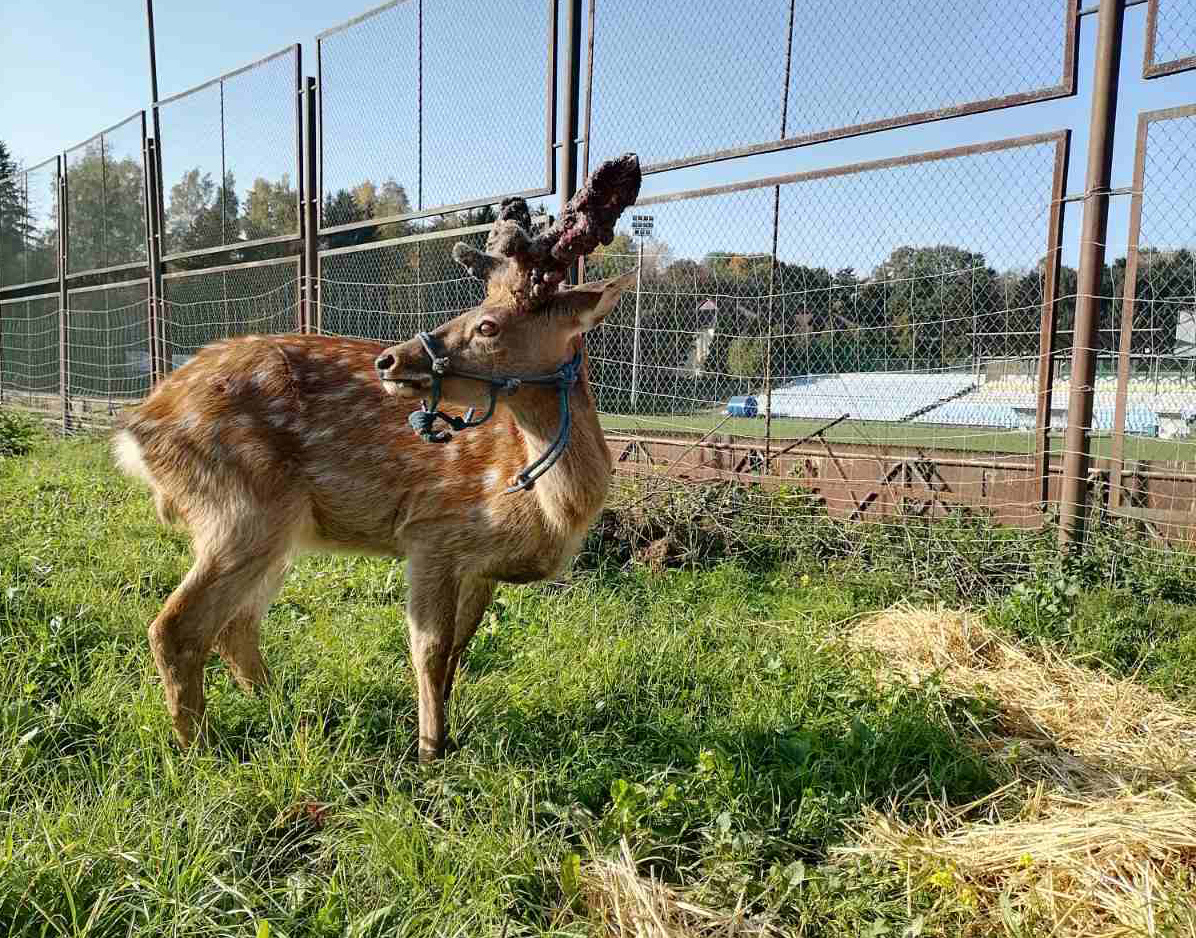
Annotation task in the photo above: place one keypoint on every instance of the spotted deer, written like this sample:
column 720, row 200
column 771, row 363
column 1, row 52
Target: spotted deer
column 267, row 446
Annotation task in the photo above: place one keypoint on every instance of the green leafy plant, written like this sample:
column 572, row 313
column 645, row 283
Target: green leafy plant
column 1048, row 601
column 18, row 433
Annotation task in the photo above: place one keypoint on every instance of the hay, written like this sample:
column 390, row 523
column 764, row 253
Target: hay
column 1070, row 727
column 1096, row 832
column 1119, row 865
column 629, row 905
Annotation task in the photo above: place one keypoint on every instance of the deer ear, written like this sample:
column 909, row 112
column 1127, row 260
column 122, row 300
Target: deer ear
column 589, row 303
column 479, row 264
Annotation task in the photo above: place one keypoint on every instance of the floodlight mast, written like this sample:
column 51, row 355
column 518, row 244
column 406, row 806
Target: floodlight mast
column 641, row 227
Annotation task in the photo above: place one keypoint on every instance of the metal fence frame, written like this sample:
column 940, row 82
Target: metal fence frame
column 1151, row 68
column 8, row 302
column 24, row 175
column 1065, row 87
column 164, row 319
column 65, row 176
column 226, row 268
column 1129, row 291
column 226, row 245
column 78, row 417
column 550, row 126
column 1053, row 251
column 444, row 234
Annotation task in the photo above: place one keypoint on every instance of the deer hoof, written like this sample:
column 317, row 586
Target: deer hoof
column 430, row 756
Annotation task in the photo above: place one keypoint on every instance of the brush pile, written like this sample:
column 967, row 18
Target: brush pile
column 664, row 523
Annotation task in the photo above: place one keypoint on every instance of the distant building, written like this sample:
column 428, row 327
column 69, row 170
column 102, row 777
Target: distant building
column 1185, row 334
column 705, row 327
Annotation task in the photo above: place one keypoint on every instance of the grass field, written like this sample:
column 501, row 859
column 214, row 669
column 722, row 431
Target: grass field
column 715, row 721
column 874, row 432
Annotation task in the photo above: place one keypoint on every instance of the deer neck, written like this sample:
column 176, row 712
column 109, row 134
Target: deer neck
column 571, row 493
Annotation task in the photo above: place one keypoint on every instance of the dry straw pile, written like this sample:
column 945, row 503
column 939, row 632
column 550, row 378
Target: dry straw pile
column 630, row 905
column 1096, row 832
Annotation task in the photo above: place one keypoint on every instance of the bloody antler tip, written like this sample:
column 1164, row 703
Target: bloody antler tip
column 586, row 221
column 615, row 181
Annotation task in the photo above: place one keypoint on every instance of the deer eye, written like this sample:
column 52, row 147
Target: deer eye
column 488, row 327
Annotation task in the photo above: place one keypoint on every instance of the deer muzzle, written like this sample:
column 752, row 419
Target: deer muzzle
column 403, row 370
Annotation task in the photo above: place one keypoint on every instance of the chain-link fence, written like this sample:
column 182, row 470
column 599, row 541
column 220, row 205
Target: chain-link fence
column 107, row 351
column 392, row 290
column 856, row 338
column 29, row 226
column 105, row 199
column 671, row 81
column 454, row 124
column 892, row 334
column 1156, row 361
column 229, row 159
column 1170, row 37
column 29, row 353
column 202, row 306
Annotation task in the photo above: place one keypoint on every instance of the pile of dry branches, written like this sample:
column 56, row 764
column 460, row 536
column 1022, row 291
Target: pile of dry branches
column 663, row 522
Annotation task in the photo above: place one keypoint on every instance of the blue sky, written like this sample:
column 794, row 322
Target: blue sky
column 69, row 68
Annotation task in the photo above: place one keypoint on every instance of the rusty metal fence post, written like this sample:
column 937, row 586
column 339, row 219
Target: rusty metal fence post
column 1128, row 303
column 568, row 173
column 310, row 219
column 1102, row 123
column 1048, row 326
column 157, row 307
column 153, row 254
column 63, row 316
column 149, row 247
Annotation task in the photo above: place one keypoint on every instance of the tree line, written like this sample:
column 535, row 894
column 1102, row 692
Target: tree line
column 106, row 212
column 718, row 326
column 107, row 222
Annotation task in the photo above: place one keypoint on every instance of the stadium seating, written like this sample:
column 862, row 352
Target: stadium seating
column 891, row 396
column 1163, row 406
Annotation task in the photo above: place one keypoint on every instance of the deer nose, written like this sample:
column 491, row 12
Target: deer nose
column 384, row 362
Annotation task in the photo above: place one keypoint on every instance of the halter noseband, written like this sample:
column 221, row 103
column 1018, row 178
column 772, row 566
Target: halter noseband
column 423, row 420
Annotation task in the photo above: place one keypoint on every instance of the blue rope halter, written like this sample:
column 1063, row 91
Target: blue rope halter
column 423, row 420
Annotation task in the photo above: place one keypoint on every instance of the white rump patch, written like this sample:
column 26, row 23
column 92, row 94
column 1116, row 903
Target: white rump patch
column 127, row 452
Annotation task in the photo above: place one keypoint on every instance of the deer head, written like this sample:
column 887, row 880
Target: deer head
column 528, row 322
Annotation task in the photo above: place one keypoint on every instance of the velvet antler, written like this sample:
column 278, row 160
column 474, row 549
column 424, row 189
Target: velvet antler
column 543, row 260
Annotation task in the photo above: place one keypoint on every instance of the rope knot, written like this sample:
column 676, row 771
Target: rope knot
column 423, row 421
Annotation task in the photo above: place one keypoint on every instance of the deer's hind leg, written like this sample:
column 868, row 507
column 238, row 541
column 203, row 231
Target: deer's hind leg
column 239, row 643
column 229, row 567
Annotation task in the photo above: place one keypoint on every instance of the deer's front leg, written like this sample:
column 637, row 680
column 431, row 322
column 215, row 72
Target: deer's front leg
column 473, row 596
column 431, row 622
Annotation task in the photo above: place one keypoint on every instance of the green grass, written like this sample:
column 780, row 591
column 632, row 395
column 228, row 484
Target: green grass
column 711, row 716
column 886, row 433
